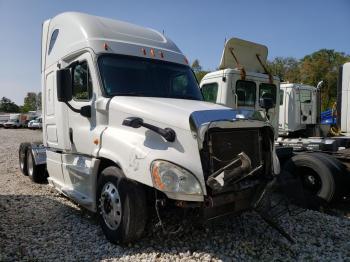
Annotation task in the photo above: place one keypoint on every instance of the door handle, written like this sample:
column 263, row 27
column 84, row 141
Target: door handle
column 71, row 135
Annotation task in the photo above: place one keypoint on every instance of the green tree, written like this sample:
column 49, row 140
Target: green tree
column 29, row 102
column 287, row 69
column 6, row 105
column 198, row 71
column 323, row 65
column 196, row 67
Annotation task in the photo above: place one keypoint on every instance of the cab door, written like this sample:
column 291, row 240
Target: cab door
column 80, row 128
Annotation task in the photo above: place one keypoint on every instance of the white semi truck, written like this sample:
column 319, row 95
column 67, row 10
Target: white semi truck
column 243, row 79
column 125, row 125
column 323, row 173
column 298, row 109
column 343, row 100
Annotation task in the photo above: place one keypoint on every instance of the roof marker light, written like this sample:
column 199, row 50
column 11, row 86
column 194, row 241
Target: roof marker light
column 105, row 46
column 152, row 52
column 143, row 51
column 186, row 61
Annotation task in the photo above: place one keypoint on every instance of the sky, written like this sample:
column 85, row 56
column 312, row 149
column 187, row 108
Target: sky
column 199, row 28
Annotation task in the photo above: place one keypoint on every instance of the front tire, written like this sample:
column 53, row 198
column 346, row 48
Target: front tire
column 121, row 206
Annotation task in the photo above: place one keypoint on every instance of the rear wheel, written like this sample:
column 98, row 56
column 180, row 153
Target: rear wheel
column 22, row 156
column 315, row 175
column 121, row 206
column 37, row 173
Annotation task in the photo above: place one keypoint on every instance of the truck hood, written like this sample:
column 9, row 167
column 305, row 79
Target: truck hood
column 169, row 111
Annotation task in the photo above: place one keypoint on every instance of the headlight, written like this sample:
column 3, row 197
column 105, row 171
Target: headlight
column 168, row 177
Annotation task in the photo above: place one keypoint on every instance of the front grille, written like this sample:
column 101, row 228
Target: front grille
column 226, row 144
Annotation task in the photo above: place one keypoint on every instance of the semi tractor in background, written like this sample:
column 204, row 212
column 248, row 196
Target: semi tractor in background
column 298, row 109
column 125, row 127
column 315, row 168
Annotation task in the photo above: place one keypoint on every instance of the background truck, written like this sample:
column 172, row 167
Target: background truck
column 315, row 168
column 3, row 119
column 243, row 79
column 298, row 109
column 125, row 127
column 15, row 121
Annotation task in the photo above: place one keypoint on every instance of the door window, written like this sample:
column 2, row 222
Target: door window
column 246, row 93
column 281, row 96
column 210, row 92
column 82, row 84
column 268, row 91
column 305, row 96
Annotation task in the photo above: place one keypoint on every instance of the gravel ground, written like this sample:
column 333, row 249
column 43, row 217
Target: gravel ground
column 38, row 224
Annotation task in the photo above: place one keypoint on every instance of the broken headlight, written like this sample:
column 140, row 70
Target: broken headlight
column 168, row 177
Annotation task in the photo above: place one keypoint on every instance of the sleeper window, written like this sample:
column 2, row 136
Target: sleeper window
column 82, row 84
column 53, row 40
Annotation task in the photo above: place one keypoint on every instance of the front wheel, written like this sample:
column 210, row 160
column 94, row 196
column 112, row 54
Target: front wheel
column 121, row 206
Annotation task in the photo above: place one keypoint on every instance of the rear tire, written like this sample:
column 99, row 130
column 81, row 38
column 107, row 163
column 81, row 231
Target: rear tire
column 22, row 156
column 316, row 176
column 121, row 206
column 37, row 173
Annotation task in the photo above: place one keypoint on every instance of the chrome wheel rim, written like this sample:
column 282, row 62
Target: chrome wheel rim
column 110, row 206
column 30, row 164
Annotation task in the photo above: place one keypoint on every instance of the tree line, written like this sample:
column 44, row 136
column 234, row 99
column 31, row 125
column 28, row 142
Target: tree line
column 323, row 65
column 32, row 102
column 320, row 65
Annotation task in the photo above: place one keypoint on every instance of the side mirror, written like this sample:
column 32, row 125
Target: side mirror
column 64, row 85
column 85, row 111
column 266, row 103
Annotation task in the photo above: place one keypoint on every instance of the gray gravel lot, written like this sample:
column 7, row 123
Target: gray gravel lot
column 38, row 224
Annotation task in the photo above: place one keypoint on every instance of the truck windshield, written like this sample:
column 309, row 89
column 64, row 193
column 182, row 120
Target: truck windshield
column 134, row 76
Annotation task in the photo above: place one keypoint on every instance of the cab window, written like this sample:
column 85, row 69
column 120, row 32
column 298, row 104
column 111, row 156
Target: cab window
column 305, row 96
column 210, row 92
column 268, row 91
column 246, row 93
column 281, row 96
column 82, row 84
